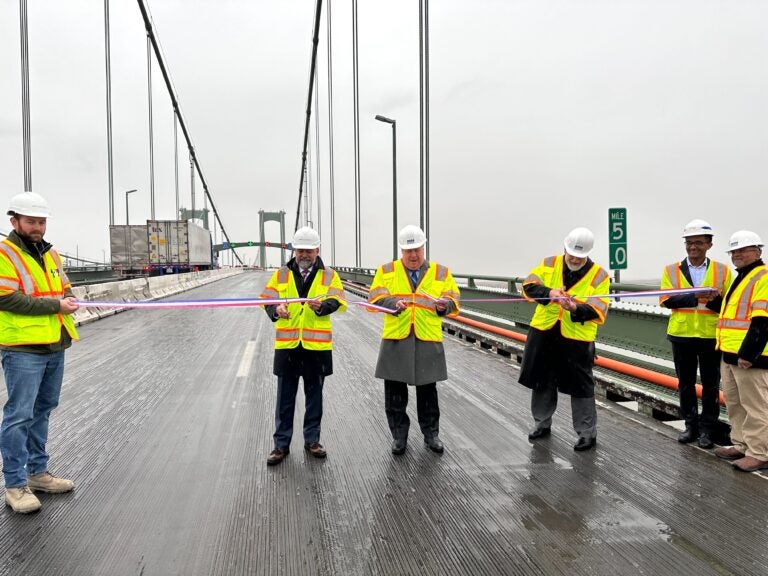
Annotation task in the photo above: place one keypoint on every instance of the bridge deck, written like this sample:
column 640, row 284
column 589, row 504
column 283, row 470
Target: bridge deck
column 166, row 421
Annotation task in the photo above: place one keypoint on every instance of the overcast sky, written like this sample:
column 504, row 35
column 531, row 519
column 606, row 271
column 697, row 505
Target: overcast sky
column 544, row 114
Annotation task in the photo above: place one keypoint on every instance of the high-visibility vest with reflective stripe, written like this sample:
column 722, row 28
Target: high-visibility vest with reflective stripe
column 19, row 271
column 699, row 322
column 304, row 326
column 595, row 282
column 391, row 280
column 748, row 300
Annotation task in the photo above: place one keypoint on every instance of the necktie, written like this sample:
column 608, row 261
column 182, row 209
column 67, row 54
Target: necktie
column 304, row 274
column 414, row 277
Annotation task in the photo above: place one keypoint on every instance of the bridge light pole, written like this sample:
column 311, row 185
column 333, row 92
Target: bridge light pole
column 386, row 120
column 127, row 220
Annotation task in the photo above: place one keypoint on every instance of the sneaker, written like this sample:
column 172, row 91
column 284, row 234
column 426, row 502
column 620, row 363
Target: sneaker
column 47, row 482
column 22, row 500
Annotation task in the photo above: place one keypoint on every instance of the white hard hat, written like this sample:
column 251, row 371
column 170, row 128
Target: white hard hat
column 29, row 204
column 306, row 239
column 579, row 242
column 697, row 228
column 410, row 237
column 744, row 239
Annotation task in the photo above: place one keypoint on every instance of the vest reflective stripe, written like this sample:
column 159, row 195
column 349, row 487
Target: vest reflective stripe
column 739, row 309
column 595, row 281
column 304, row 326
column 9, row 284
column 35, row 281
column 60, row 266
column 698, row 322
column 533, row 279
column 26, row 282
column 391, row 280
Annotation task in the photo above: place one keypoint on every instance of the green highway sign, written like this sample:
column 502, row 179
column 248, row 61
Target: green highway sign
column 617, row 235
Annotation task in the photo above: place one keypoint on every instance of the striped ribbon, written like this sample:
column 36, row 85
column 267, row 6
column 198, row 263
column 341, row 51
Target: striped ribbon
column 616, row 295
column 215, row 303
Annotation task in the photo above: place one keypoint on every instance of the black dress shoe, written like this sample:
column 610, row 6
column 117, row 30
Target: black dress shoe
column 585, row 444
column 435, row 444
column 398, row 447
column 705, row 441
column 277, row 455
column 537, row 433
column 688, row 436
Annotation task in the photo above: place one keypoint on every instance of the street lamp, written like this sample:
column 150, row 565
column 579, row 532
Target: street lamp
column 394, row 181
column 127, row 223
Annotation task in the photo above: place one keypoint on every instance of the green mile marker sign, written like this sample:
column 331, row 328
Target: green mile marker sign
column 617, row 234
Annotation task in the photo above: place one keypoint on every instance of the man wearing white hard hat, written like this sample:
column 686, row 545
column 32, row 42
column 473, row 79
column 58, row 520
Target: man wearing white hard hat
column 691, row 331
column 560, row 349
column 303, row 340
column 411, row 351
column 742, row 337
column 36, row 327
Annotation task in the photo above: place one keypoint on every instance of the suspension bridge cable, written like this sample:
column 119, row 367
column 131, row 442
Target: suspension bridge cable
column 315, row 40
column 174, row 101
column 356, row 114
column 25, row 112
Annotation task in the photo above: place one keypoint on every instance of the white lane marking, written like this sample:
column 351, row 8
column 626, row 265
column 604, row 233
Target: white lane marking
column 245, row 362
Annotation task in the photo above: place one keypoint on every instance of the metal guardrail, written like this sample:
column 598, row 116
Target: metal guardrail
column 630, row 328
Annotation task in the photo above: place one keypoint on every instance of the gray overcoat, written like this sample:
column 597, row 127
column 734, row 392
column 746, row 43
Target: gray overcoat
column 411, row 360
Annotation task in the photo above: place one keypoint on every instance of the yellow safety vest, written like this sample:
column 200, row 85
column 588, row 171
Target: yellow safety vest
column 699, row 322
column 304, row 326
column 595, row 281
column 391, row 280
column 20, row 272
column 748, row 300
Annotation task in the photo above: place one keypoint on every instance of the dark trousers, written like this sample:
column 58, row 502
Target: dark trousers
column 287, row 386
column 689, row 355
column 427, row 408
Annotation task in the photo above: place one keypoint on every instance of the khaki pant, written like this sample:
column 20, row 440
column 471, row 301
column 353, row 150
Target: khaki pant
column 746, row 398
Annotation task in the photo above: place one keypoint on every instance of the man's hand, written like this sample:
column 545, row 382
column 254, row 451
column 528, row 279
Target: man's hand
column 314, row 304
column 744, row 363
column 68, row 305
column 441, row 305
column 705, row 297
column 562, row 298
column 282, row 311
column 401, row 305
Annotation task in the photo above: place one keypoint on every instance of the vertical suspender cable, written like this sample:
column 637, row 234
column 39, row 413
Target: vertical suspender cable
column 421, row 114
column 192, row 181
column 315, row 35
column 356, row 113
column 426, row 122
column 307, row 188
column 151, row 131
column 26, row 130
column 108, row 59
column 317, row 156
column 176, row 161
column 330, row 139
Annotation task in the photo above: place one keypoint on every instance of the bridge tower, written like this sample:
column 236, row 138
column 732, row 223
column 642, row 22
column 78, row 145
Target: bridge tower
column 185, row 214
column 275, row 217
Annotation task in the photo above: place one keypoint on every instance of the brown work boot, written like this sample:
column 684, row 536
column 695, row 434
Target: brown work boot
column 729, row 453
column 47, row 482
column 750, row 464
column 22, row 500
column 277, row 455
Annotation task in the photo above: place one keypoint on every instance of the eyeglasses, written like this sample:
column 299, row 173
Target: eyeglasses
column 696, row 243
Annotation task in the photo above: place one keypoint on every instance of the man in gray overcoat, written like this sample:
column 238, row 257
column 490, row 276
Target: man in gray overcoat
column 411, row 351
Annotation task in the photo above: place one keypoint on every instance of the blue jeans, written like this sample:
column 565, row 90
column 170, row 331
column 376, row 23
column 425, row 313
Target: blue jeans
column 34, row 384
column 287, row 386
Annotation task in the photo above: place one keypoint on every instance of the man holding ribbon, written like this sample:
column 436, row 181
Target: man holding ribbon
column 742, row 336
column 560, row 350
column 691, row 330
column 303, row 343
column 36, row 327
column 411, row 351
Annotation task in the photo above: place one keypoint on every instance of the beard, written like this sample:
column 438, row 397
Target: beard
column 304, row 263
column 573, row 268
